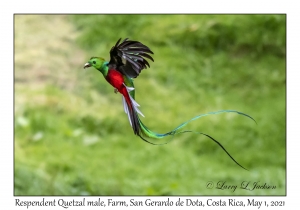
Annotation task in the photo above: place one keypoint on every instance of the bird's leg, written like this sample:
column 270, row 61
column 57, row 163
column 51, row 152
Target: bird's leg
column 116, row 90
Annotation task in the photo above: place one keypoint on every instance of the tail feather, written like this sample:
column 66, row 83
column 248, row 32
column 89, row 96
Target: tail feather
column 147, row 132
column 131, row 109
column 141, row 130
column 126, row 110
column 151, row 134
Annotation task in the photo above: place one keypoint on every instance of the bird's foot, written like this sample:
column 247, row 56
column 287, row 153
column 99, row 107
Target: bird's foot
column 116, row 90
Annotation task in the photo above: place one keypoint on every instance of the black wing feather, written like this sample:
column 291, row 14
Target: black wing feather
column 134, row 54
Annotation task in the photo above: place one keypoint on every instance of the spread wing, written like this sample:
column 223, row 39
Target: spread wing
column 129, row 56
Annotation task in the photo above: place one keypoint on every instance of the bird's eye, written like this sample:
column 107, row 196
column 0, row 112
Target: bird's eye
column 94, row 62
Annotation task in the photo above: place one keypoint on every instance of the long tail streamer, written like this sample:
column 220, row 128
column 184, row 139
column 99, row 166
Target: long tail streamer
column 175, row 131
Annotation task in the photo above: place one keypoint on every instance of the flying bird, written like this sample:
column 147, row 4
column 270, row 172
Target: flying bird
column 127, row 60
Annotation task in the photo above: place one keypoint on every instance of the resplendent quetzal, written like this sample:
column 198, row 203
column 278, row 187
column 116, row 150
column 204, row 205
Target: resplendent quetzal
column 127, row 60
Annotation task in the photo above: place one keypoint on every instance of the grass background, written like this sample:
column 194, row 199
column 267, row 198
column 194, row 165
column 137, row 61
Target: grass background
column 72, row 136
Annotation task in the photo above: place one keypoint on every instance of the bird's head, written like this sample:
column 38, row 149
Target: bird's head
column 96, row 62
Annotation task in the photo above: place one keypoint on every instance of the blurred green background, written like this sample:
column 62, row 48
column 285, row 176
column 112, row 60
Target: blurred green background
column 72, row 136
